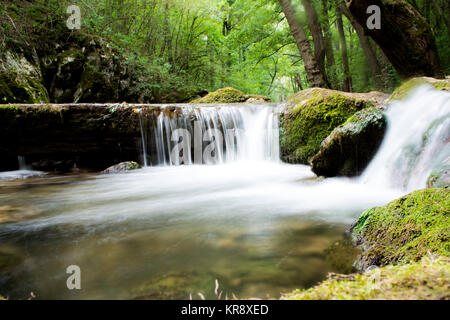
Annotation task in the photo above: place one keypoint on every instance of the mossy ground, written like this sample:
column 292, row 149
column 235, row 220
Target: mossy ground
column 311, row 117
column 428, row 279
column 406, row 229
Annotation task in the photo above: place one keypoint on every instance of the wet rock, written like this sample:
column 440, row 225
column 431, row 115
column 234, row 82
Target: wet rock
column 60, row 137
column 311, row 115
column 20, row 80
column 440, row 178
column 349, row 148
column 122, row 167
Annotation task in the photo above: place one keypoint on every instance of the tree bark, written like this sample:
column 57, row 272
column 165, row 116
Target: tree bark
column 315, row 77
column 328, row 45
column 316, row 31
column 347, row 86
column 371, row 57
column 405, row 37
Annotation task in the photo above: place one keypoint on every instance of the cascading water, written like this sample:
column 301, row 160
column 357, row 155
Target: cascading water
column 22, row 163
column 228, row 133
column 416, row 144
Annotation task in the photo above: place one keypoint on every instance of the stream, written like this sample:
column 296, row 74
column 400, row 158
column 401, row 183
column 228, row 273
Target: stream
column 257, row 225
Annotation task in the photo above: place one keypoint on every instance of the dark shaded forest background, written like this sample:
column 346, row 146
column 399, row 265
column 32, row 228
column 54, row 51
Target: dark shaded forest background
column 248, row 45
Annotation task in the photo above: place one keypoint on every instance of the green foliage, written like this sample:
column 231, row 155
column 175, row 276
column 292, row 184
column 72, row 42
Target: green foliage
column 204, row 44
column 406, row 229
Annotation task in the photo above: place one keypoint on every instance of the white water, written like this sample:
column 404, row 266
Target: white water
column 417, row 141
column 230, row 133
column 24, row 171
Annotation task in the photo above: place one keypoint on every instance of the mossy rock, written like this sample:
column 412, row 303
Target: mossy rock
column 350, row 147
column 404, row 230
column 311, row 115
column 408, row 86
column 425, row 280
column 224, row 95
column 255, row 98
column 20, row 80
column 123, row 167
column 231, row 95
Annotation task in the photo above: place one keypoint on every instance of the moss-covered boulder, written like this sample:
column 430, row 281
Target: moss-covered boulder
column 404, row 230
column 224, row 95
column 311, row 115
column 122, row 167
column 20, row 80
column 428, row 279
column 406, row 87
column 230, row 95
column 350, row 147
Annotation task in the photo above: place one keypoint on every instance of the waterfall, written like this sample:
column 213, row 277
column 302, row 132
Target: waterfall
column 143, row 138
column 417, row 141
column 214, row 134
column 22, row 164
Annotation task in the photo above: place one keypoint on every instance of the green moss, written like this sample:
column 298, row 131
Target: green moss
column 224, row 95
column 405, row 88
column 15, row 89
column 133, row 166
column 11, row 107
column 424, row 280
column 96, row 86
column 311, row 119
column 406, row 229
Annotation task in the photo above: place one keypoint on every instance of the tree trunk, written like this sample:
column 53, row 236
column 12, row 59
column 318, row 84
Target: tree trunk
column 386, row 68
column 329, row 53
column 405, row 37
column 315, row 77
column 442, row 15
column 166, row 30
column 327, row 37
column 371, row 57
column 316, row 31
column 347, row 86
